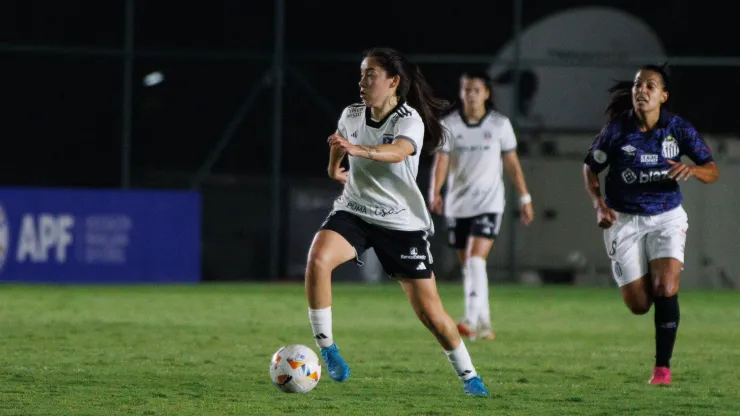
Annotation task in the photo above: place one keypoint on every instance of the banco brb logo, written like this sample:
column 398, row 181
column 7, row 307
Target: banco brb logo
column 4, row 237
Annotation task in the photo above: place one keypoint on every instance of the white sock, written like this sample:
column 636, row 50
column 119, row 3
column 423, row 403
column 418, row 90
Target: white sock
column 471, row 308
column 479, row 286
column 461, row 362
column 321, row 326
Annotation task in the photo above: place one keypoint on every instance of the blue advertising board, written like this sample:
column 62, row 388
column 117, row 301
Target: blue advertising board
column 99, row 236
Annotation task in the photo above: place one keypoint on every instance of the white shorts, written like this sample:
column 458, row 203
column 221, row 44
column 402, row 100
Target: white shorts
column 635, row 240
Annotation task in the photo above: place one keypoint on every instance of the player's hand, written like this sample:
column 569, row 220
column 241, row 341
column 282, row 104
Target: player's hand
column 340, row 175
column 436, row 203
column 336, row 140
column 679, row 171
column 605, row 216
column 526, row 214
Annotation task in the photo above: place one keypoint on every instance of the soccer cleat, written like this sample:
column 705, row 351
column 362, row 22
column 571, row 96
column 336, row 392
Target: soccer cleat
column 661, row 376
column 485, row 332
column 335, row 364
column 475, row 387
column 465, row 330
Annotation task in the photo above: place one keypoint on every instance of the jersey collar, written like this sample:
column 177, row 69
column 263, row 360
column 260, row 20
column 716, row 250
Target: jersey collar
column 378, row 124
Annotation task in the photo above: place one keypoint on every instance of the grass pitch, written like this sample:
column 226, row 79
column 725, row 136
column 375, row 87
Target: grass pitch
column 204, row 350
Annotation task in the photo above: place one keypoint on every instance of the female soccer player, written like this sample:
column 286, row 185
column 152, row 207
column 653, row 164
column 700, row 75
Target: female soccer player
column 381, row 205
column 480, row 138
column 643, row 221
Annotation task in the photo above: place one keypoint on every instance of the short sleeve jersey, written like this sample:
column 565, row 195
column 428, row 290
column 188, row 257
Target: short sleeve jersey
column 637, row 180
column 381, row 193
column 475, row 183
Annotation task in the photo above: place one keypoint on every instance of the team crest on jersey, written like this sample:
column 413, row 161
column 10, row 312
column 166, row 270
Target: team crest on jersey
column 670, row 147
column 387, row 139
column 487, row 135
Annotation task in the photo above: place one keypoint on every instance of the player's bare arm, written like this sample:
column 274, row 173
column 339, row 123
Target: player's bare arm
column 394, row 152
column 514, row 169
column 335, row 170
column 707, row 173
column 605, row 216
column 440, row 170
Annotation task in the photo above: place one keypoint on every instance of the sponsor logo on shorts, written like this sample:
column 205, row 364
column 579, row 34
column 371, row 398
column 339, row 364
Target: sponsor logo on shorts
column 413, row 255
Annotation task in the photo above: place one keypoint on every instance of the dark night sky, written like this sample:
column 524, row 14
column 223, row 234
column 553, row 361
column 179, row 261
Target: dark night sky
column 62, row 113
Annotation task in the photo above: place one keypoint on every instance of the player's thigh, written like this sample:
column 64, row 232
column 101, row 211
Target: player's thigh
column 626, row 247
column 341, row 238
column 637, row 295
column 403, row 254
column 458, row 230
column 483, row 231
column 665, row 247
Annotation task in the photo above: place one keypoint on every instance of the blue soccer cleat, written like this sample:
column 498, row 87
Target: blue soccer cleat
column 335, row 364
column 475, row 387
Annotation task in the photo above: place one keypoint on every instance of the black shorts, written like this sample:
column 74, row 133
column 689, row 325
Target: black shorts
column 403, row 254
column 484, row 225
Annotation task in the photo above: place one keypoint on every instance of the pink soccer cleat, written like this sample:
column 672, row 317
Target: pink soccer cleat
column 661, row 376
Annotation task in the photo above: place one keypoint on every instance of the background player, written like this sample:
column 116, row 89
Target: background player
column 480, row 138
column 645, row 224
column 381, row 205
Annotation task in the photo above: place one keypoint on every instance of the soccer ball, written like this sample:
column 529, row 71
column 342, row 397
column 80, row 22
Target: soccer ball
column 295, row 369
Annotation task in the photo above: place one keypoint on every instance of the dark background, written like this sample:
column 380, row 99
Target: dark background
column 61, row 117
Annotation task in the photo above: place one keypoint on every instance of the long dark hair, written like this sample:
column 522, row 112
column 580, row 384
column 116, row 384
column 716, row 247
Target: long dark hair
column 487, row 82
column 621, row 93
column 415, row 90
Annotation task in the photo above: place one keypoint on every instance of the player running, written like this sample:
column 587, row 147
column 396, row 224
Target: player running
column 382, row 207
column 642, row 217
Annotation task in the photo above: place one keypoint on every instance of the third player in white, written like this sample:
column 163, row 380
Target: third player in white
column 480, row 145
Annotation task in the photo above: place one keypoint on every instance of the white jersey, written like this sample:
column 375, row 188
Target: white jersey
column 381, row 193
column 475, row 183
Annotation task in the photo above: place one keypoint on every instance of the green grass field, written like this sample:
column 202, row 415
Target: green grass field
column 205, row 350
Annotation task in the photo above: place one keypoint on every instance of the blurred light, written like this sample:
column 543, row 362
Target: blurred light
column 153, row 78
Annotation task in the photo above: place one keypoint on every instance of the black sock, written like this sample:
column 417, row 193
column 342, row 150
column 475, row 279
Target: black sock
column 666, row 326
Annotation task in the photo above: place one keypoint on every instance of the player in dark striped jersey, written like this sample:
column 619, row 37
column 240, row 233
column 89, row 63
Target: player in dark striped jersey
column 644, row 224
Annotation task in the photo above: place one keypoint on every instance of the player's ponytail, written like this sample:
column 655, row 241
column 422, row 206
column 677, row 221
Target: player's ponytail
column 431, row 108
column 415, row 90
column 621, row 93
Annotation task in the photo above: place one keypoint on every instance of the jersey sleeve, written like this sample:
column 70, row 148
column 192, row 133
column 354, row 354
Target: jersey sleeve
column 598, row 157
column 693, row 145
column 411, row 129
column 508, row 138
column 341, row 124
column 447, row 144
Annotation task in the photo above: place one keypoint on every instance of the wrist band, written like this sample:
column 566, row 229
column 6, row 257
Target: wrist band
column 525, row 199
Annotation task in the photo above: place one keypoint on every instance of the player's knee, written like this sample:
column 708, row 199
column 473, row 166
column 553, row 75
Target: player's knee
column 320, row 261
column 664, row 286
column 639, row 308
column 664, row 290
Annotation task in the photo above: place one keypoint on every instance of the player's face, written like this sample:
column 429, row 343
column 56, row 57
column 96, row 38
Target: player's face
column 647, row 91
column 376, row 87
column 473, row 92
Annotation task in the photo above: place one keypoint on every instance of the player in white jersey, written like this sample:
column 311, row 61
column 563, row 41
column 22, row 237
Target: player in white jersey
column 381, row 205
column 480, row 145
